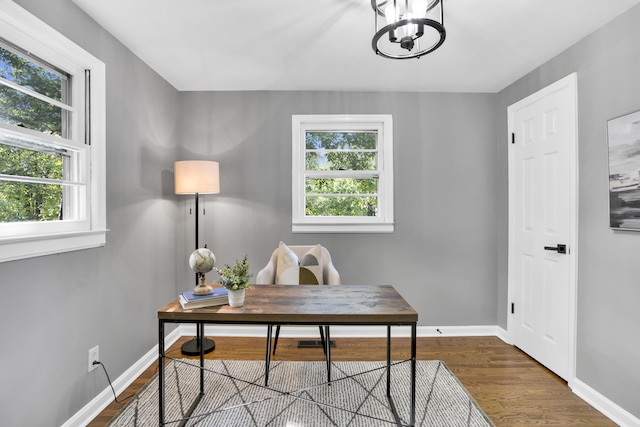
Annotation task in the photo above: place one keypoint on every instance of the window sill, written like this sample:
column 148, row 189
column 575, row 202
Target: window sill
column 12, row 249
column 342, row 228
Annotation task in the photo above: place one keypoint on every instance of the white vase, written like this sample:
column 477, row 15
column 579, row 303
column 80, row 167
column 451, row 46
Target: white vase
column 236, row 298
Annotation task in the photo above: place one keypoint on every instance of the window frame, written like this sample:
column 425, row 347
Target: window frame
column 380, row 123
column 33, row 239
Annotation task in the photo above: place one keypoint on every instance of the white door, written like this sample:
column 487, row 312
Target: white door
column 543, row 225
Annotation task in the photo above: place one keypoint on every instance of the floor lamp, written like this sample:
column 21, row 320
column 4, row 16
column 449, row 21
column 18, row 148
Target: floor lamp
column 197, row 177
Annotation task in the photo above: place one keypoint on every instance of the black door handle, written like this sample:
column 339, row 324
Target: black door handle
column 561, row 249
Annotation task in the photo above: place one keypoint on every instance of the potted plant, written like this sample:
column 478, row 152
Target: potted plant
column 235, row 279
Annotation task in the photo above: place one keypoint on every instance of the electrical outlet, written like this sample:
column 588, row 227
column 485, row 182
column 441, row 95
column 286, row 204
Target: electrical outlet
column 93, row 357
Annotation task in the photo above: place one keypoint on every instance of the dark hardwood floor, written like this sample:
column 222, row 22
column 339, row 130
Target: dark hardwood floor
column 512, row 388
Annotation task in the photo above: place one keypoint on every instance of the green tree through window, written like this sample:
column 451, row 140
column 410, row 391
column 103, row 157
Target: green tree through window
column 345, row 152
column 24, row 200
column 20, row 201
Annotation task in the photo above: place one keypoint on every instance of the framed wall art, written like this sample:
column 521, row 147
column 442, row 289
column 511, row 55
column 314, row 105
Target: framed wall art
column 623, row 135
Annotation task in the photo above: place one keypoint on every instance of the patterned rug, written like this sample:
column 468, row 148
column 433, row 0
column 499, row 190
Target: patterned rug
column 298, row 396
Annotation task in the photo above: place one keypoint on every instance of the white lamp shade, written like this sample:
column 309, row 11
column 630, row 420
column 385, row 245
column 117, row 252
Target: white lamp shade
column 196, row 176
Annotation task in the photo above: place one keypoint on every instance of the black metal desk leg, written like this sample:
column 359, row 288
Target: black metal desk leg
column 268, row 357
column 388, row 360
column 200, row 327
column 392, row 405
column 328, row 352
column 413, row 374
column 161, row 371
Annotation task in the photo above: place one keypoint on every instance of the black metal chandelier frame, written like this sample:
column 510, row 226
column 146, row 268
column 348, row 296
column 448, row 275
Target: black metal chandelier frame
column 407, row 42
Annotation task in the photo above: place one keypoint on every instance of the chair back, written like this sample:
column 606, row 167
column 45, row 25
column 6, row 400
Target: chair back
column 330, row 275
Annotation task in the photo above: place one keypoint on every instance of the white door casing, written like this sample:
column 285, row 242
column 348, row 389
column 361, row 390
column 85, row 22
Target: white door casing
column 542, row 214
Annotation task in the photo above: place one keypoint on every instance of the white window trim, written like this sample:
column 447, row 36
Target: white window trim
column 29, row 32
column 383, row 223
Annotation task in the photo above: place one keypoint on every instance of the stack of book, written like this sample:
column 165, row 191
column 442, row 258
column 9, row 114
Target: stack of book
column 188, row 300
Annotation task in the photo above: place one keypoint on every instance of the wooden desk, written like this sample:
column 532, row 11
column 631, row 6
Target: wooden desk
column 301, row 305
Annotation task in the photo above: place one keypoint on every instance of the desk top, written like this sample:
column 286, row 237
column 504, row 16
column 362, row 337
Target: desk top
column 304, row 304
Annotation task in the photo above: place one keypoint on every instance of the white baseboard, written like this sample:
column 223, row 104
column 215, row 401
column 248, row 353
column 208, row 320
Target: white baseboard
column 503, row 335
column 459, row 331
column 614, row 412
column 346, row 331
column 102, row 400
column 97, row 405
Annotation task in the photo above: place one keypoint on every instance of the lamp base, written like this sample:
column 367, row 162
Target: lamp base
column 192, row 347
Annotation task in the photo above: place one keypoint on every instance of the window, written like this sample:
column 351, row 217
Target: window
column 52, row 142
column 342, row 179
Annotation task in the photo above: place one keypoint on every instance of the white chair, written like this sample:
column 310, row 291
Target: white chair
column 269, row 276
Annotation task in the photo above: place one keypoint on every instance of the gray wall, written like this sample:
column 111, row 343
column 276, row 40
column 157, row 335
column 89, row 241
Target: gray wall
column 445, row 210
column 447, row 255
column 106, row 296
column 441, row 257
column 608, row 66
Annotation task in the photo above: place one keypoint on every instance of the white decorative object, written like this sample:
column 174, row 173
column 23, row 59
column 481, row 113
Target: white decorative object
column 306, row 270
column 202, row 261
column 236, row 298
column 235, row 279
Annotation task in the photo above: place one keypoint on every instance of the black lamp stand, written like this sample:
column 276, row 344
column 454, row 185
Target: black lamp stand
column 192, row 348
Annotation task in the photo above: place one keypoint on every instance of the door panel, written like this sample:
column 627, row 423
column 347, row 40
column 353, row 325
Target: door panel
column 542, row 210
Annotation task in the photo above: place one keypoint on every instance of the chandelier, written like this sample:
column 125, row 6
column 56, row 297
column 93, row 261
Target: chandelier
column 407, row 28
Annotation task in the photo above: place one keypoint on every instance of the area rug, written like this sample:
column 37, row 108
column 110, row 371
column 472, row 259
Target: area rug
column 298, row 396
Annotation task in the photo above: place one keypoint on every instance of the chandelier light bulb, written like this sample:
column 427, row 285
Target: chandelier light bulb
column 390, row 13
column 419, row 8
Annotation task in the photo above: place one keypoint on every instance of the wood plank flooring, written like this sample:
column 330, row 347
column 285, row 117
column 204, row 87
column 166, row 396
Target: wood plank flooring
column 512, row 388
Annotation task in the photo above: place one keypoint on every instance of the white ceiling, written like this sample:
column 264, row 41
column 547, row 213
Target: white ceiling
column 326, row 44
